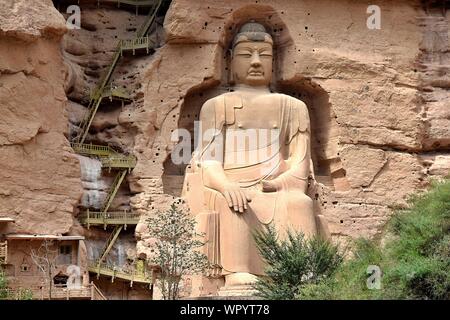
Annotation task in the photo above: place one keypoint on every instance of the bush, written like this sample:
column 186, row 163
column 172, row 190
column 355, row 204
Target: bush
column 415, row 260
column 3, row 291
column 420, row 259
column 6, row 294
column 293, row 263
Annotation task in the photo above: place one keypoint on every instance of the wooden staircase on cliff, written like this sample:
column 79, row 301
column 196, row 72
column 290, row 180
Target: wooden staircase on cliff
column 108, row 157
column 141, row 41
column 99, row 218
column 90, row 292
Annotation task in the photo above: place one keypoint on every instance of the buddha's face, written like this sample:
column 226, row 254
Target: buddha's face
column 252, row 63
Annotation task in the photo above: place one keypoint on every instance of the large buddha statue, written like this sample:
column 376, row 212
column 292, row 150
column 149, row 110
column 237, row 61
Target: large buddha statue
column 253, row 162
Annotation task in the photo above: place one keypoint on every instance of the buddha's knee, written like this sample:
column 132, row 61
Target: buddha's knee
column 303, row 201
column 302, row 215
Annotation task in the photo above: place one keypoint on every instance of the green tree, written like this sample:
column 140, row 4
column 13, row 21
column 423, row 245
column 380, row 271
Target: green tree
column 293, row 263
column 5, row 294
column 176, row 249
column 3, row 290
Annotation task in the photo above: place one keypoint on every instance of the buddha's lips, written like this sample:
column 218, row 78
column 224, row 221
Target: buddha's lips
column 255, row 73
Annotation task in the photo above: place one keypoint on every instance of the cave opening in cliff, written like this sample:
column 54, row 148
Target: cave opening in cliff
column 328, row 168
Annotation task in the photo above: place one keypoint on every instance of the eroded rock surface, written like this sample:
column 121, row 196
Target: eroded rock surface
column 40, row 176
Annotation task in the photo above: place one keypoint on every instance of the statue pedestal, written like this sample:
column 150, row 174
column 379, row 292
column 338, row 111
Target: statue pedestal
column 232, row 287
column 222, row 298
column 238, row 291
column 202, row 286
column 238, row 284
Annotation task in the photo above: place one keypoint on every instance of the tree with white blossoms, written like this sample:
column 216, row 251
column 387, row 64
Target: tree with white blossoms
column 45, row 258
column 176, row 249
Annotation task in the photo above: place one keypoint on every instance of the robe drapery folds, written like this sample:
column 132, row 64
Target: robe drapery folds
column 248, row 156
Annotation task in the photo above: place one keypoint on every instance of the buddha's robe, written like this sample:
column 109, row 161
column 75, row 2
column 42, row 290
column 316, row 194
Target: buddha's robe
column 284, row 155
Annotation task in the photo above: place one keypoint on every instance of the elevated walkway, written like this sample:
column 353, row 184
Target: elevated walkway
column 134, row 275
column 93, row 150
column 109, row 158
column 113, row 190
column 133, row 45
column 90, row 292
column 119, row 162
column 113, row 92
column 98, row 218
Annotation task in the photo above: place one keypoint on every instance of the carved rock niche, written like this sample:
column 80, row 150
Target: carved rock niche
column 327, row 164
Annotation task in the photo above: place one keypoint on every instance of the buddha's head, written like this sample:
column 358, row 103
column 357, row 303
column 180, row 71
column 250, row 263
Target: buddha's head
column 252, row 56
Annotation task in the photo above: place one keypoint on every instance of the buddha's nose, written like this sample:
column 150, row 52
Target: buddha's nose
column 256, row 61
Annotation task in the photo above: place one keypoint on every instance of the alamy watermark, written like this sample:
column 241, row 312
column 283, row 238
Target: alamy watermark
column 374, row 20
column 235, row 147
column 74, row 20
column 374, row 279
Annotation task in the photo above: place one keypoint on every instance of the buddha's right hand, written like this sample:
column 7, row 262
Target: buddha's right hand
column 236, row 197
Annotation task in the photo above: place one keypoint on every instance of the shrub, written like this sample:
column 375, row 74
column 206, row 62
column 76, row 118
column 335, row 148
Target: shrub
column 415, row 260
column 293, row 263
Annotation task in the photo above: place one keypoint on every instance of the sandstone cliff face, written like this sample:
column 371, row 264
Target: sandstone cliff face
column 378, row 102
column 377, row 99
column 39, row 176
column 434, row 64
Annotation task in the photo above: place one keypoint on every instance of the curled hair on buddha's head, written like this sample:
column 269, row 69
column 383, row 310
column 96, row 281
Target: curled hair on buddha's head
column 248, row 32
column 252, row 31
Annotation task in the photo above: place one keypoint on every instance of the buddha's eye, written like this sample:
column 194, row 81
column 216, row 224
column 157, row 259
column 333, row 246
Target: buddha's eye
column 265, row 54
column 244, row 54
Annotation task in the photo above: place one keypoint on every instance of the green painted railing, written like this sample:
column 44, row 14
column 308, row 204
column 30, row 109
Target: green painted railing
column 136, row 44
column 109, row 218
column 134, row 275
column 124, row 162
column 57, row 293
column 108, row 156
column 93, row 149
